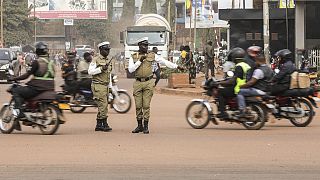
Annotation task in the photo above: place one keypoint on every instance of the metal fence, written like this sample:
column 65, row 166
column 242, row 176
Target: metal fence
column 314, row 58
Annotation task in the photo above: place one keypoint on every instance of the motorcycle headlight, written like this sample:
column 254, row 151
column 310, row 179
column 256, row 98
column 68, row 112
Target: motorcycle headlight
column 6, row 66
column 115, row 78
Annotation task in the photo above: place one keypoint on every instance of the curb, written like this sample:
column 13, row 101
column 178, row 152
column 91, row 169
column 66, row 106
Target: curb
column 179, row 92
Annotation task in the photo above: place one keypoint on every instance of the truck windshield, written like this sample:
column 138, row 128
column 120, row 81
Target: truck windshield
column 4, row 55
column 155, row 38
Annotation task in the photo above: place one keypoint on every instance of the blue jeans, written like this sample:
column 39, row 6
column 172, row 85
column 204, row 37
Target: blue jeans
column 247, row 92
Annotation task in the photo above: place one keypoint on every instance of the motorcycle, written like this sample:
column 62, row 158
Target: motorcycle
column 296, row 105
column 199, row 112
column 118, row 99
column 43, row 111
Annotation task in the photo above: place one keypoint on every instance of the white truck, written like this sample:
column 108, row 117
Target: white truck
column 153, row 26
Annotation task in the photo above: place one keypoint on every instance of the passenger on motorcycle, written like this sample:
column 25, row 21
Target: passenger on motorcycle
column 257, row 85
column 281, row 81
column 43, row 73
column 252, row 53
column 83, row 76
column 232, row 85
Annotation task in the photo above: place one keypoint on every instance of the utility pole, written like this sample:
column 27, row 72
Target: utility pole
column 175, row 28
column 35, row 21
column 266, row 33
column 195, row 25
column 1, row 11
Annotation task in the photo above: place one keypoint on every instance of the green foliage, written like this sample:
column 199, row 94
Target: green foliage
column 149, row 6
column 92, row 30
column 18, row 27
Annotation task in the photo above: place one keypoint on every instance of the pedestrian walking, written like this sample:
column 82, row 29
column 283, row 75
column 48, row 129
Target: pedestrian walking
column 143, row 87
column 209, row 60
column 100, row 69
column 190, row 64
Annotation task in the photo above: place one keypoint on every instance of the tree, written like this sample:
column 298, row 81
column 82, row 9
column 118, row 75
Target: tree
column 18, row 27
column 149, row 6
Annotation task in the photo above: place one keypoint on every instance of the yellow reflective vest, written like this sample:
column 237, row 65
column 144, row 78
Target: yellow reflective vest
column 241, row 81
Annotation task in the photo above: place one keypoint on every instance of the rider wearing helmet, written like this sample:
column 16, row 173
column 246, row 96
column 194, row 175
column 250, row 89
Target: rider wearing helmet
column 232, row 85
column 282, row 79
column 69, row 72
column 43, row 73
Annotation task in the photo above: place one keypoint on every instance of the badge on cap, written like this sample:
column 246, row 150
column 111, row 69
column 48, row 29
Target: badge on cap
column 143, row 40
column 106, row 43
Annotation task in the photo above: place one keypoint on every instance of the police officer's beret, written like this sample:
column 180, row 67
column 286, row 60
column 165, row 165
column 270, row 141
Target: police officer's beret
column 143, row 40
column 105, row 45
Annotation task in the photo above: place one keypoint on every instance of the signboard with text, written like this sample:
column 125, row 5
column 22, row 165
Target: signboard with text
column 206, row 14
column 69, row 9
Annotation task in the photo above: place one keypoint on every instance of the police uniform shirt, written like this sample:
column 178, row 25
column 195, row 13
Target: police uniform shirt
column 158, row 59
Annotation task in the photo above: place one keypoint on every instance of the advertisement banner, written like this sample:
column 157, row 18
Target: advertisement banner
column 286, row 4
column 207, row 14
column 69, row 9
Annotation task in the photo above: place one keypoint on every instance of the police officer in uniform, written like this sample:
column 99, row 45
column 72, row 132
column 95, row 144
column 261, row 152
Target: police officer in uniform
column 141, row 64
column 43, row 73
column 100, row 69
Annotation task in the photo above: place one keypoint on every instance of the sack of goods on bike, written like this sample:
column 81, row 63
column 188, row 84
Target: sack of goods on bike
column 245, row 96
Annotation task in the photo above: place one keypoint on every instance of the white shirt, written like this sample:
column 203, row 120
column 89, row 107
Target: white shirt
column 134, row 66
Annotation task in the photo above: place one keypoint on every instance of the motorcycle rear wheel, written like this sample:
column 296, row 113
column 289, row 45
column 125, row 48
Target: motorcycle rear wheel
column 77, row 99
column 7, row 120
column 123, row 104
column 53, row 115
column 258, row 117
column 200, row 118
column 307, row 107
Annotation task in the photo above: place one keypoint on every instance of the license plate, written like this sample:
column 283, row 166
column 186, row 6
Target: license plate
column 64, row 106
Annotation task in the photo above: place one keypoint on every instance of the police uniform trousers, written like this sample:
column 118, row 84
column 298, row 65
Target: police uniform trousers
column 100, row 95
column 142, row 93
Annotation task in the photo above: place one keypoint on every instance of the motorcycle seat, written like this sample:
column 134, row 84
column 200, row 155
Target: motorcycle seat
column 298, row 92
column 46, row 95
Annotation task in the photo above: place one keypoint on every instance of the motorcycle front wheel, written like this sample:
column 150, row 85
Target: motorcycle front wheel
column 122, row 104
column 77, row 99
column 7, row 119
column 51, row 119
column 197, row 115
column 257, row 117
column 306, row 106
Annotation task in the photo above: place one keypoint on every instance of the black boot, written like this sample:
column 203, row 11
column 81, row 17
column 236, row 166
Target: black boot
column 104, row 126
column 145, row 127
column 139, row 128
column 99, row 125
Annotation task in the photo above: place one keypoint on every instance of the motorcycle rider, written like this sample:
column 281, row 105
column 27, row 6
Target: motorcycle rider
column 83, row 76
column 257, row 85
column 281, row 81
column 100, row 69
column 232, row 85
column 209, row 60
column 43, row 73
column 69, row 73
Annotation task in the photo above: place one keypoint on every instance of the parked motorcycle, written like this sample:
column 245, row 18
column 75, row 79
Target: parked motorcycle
column 43, row 111
column 199, row 112
column 118, row 99
column 296, row 105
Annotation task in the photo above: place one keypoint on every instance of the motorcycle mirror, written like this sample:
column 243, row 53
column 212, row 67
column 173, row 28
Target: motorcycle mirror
column 230, row 74
column 276, row 71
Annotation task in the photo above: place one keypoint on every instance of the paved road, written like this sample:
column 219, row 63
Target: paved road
column 173, row 150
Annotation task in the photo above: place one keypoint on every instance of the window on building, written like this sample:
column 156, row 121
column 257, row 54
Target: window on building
column 274, row 36
column 257, row 36
column 249, row 36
